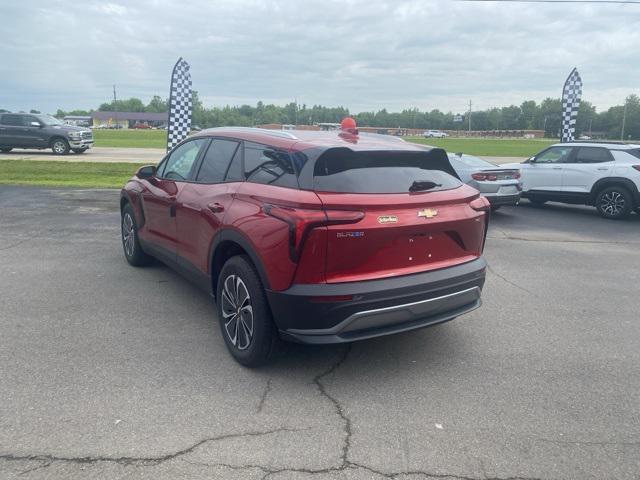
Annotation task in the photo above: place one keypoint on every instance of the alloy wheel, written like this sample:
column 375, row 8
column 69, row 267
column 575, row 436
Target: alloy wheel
column 128, row 235
column 237, row 312
column 613, row 203
column 59, row 146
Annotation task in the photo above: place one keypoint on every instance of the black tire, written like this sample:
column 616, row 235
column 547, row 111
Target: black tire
column 254, row 339
column 130, row 244
column 615, row 203
column 79, row 150
column 59, row 146
column 6, row 149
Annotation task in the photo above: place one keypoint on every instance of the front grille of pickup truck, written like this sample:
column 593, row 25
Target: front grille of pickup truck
column 87, row 136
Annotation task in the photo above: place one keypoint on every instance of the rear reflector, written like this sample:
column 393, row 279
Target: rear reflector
column 330, row 299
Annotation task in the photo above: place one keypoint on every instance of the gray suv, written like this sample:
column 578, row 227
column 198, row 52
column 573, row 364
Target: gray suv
column 28, row 130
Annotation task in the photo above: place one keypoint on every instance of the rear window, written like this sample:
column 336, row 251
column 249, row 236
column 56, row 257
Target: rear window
column 469, row 161
column 342, row 170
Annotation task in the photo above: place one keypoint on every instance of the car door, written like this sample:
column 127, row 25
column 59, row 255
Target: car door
column 586, row 166
column 33, row 136
column 544, row 171
column 11, row 130
column 159, row 196
column 203, row 203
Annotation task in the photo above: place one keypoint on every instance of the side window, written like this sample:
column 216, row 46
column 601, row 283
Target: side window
column 554, row 155
column 216, row 161
column 180, row 162
column 593, row 155
column 27, row 119
column 234, row 173
column 12, row 120
column 269, row 166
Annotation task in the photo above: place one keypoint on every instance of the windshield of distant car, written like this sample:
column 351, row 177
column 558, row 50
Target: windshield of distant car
column 469, row 161
column 49, row 120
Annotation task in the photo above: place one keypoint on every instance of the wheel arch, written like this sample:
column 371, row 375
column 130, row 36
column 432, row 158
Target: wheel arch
column 57, row 137
column 227, row 244
column 614, row 182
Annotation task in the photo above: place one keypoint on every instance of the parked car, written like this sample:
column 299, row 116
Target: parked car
column 435, row 134
column 141, row 126
column 38, row 131
column 309, row 236
column 603, row 174
column 501, row 186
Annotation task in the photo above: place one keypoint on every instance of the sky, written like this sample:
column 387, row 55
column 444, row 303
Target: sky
column 361, row 54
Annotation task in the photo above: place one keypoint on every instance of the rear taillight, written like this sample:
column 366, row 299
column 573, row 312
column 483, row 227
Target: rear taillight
column 481, row 204
column 301, row 221
column 637, row 167
column 492, row 177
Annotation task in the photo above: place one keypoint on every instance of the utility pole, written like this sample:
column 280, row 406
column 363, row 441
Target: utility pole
column 115, row 99
column 469, row 116
column 624, row 119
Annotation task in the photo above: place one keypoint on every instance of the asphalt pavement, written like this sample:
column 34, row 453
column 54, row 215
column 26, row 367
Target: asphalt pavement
column 109, row 371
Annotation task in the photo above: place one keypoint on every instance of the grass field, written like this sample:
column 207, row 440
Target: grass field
column 487, row 147
column 67, row 174
column 130, row 138
column 471, row 146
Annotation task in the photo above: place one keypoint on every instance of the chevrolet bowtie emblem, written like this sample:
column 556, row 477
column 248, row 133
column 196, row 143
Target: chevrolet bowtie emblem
column 427, row 213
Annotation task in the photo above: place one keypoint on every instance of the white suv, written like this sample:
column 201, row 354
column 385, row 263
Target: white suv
column 606, row 175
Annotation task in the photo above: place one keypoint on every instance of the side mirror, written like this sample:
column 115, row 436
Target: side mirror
column 531, row 160
column 146, row 172
column 36, row 124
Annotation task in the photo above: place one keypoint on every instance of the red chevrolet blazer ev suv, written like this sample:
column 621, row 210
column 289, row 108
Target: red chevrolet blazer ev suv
column 310, row 236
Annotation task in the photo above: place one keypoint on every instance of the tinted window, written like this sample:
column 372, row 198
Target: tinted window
column 635, row 153
column 346, row 171
column 14, row 120
column 216, row 161
column 234, row 173
column 593, row 155
column 554, row 155
column 178, row 165
column 266, row 165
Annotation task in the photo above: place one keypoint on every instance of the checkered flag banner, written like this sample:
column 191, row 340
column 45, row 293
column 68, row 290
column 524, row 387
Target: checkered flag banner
column 180, row 104
column 571, row 94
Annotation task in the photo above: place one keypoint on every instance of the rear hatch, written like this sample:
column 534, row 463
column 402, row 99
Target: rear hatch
column 417, row 215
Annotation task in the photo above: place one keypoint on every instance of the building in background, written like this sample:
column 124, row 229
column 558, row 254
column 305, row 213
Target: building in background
column 128, row 119
column 77, row 120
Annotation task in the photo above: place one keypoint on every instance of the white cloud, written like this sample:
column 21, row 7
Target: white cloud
column 355, row 53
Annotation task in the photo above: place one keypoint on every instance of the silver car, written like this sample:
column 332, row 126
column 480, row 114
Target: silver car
column 501, row 186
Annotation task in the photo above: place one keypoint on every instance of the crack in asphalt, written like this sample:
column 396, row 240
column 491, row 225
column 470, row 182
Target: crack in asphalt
column 503, row 278
column 48, row 460
column 265, row 394
column 317, row 380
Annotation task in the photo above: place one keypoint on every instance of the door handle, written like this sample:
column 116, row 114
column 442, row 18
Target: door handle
column 603, row 168
column 215, row 207
column 556, row 168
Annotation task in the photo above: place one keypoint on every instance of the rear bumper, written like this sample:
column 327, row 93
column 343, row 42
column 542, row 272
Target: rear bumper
column 376, row 307
column 495, row 199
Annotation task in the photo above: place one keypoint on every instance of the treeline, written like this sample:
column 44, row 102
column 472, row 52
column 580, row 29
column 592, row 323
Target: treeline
column 530, row 115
